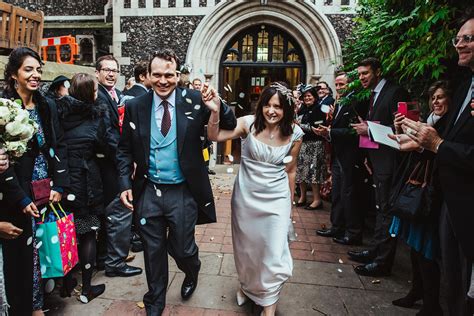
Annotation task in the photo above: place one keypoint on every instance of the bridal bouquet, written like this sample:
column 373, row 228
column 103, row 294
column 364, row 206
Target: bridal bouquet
column 16, row 127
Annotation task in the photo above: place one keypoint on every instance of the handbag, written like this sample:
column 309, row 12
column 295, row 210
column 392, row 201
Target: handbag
column 414, row 202
column 40, row 190
column 58, row 251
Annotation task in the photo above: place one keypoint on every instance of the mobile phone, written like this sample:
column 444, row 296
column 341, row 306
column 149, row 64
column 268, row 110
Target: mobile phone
column 410, row 110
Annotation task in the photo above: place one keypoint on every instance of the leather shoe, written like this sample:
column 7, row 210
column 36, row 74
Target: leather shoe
column 330, row 232
column 188, row 287
column 299, row 204
column 348, row 241
column 125, row 271
column 364, row 256
column 312, row 208
column 372, row 269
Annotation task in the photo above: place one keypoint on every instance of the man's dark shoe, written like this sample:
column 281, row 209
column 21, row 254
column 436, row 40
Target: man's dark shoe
column 409, row 300
column 100, row 265
column 364, row 256
column 209, row 171
column 137, row 246
column 348, row 241
column 330, row 232
column 125, row 271
column 372, row 269
column 188, row 287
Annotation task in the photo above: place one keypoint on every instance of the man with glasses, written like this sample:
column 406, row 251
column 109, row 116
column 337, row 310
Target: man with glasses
column 454, row 170
column 112, row 247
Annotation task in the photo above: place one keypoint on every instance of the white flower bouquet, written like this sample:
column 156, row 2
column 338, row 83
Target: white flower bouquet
column 16, row 127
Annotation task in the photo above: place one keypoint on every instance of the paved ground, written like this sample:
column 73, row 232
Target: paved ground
column 323, row 281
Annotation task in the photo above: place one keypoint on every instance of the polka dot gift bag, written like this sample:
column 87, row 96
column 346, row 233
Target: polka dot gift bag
column 57, row 236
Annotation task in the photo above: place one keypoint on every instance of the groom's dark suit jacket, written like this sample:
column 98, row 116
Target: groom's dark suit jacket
column 455, row 168
column 134, row 146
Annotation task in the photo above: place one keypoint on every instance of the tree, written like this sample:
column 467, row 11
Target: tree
column 411, row 38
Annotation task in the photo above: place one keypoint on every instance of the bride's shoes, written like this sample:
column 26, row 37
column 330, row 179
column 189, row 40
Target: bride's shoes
column 241, row 298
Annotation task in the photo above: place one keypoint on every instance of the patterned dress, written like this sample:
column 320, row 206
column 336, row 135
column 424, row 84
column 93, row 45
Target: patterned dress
column 40, row 171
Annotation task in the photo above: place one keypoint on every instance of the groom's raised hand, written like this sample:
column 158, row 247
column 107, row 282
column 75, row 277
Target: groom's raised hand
column 210, row 97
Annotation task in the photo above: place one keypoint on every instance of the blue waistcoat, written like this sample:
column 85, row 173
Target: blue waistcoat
column 164, row 165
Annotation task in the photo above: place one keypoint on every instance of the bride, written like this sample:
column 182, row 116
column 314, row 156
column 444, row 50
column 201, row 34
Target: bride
column 263, row 194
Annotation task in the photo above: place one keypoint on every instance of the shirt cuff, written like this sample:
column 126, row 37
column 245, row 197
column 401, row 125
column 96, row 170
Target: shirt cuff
column 25, row 202
column 58, row 189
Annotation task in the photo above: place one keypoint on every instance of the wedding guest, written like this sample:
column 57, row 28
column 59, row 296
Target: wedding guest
column 422, row 236
column 84, row 126
column 454, row 163
column 263, row 194
column 44, row 159
column 311, row 167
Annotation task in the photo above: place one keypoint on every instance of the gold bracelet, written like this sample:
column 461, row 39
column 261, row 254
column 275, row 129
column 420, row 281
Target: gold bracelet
column 214, row 123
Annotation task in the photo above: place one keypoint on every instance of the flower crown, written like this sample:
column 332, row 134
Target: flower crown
column 286, row 92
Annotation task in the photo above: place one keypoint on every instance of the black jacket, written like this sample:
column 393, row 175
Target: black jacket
column 134, row 146
column 384, row 160
column 16, row 187
column 21, row 171
column 454, row 165
column 108, row 166
column 87, row 143
column 135, row 91
column 344, row 140
column 310, row 115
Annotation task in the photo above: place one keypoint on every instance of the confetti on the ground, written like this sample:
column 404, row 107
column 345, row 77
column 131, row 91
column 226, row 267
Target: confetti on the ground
column 312, row 251
column 231, row 158
column 130, row 257
column 339, row 270
column 375, row 281
column 340, row 261
column 140, row 305
column 211, row 239
column 230, row 170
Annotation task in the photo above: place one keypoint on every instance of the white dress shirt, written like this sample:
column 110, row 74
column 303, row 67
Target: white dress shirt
column 159, row 110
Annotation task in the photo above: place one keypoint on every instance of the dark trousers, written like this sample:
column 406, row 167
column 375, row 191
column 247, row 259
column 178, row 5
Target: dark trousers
column 426, row 282
column 455, row 268
column 118, row 224
column 344, row 212
column 385, row 245
column 163, row 208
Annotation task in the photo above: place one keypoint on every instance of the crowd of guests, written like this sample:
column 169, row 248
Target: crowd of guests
column 97, row 149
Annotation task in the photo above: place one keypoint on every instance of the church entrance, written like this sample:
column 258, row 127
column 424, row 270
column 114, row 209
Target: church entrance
column 251, row 60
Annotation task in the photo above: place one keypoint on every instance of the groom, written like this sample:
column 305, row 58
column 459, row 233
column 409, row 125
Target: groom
column 170, row 192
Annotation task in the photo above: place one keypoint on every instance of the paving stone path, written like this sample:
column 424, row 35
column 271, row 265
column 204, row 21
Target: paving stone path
column 323, row 281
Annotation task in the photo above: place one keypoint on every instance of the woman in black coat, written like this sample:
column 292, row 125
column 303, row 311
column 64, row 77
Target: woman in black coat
column 312, row 167
column 86, row 138
column 45, row 158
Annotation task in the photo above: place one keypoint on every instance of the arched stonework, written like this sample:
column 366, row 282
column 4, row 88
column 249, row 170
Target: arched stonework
column 311, row 29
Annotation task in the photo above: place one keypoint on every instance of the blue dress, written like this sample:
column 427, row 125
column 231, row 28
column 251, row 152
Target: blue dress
column 40, row 171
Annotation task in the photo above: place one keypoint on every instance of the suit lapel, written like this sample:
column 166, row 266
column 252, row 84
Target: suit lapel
column 144, row 124
column 110, row 101
column 453, row 127
column 181, row 119
column 380, row 100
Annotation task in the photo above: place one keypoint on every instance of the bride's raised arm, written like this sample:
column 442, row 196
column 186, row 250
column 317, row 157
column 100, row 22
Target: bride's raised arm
column 214, row 133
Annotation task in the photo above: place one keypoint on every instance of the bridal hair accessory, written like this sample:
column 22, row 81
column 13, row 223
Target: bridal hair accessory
column 284, row 91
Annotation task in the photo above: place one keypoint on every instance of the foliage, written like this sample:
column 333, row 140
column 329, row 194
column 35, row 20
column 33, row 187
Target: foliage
column 411, row 38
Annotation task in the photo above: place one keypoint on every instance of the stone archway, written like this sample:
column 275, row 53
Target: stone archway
column 312, row 29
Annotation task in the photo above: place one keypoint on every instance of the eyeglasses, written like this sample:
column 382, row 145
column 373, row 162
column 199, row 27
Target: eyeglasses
column 107, row 70
column 464, row 38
